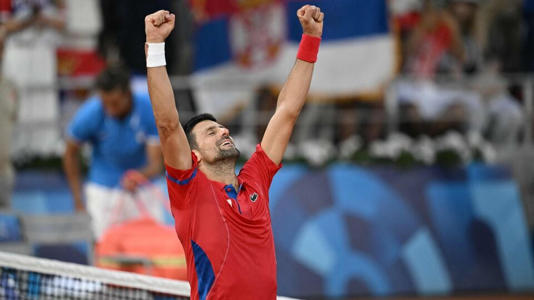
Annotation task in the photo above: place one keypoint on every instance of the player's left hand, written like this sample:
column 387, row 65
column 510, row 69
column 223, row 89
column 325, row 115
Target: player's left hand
column 311, row 19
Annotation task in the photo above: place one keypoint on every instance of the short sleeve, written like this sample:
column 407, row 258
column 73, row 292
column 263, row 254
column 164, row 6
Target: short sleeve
column 85, row 122
column 180, row 183
column 260, row 168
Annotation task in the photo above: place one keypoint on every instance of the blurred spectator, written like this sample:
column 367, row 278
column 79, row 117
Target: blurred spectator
column 8, row 109
column 406, row 15
column 453, row 118
column 427, row 108
column 120, row 127
column 435, row 45
column 406, row 12
column 465, row 12
column 504, row 116
column 358, row 118
column 31, row 35
column 502, row 34
column 123, row 32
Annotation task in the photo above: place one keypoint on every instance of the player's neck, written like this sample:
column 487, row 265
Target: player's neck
column 221, row 171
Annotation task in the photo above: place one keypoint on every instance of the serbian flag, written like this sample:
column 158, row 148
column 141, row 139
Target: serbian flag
column 240, row 45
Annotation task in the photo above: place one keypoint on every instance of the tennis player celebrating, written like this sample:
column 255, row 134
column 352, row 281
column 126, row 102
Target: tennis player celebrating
column 221, row 219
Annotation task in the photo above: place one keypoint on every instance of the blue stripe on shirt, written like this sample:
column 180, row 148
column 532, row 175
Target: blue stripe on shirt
column 205, row 274
column 181, row 182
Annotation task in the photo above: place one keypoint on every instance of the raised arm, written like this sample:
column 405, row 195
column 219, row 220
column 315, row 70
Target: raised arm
column 175, row 148
column 293, row 94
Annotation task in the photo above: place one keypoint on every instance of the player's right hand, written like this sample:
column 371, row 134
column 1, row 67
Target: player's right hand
column 311, row 18
column 158, row 26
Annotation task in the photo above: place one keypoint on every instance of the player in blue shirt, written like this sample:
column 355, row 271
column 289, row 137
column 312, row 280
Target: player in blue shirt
column 119, row 125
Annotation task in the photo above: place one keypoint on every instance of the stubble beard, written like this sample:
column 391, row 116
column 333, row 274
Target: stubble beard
column 228, row 154
column 231, row 154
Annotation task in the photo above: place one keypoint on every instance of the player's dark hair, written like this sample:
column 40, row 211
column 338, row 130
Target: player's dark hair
column 189, row 125
column 113, row 77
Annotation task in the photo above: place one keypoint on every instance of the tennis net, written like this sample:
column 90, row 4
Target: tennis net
column 26, row 277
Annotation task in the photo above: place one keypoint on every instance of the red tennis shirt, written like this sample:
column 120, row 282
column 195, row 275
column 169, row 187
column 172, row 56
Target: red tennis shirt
column 226, row 234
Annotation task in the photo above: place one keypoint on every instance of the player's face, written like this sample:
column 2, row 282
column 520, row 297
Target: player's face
column 117, row 102
column 214, row 142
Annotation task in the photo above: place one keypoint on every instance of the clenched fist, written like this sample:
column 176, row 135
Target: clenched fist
column 311, row 19
column 158, row 26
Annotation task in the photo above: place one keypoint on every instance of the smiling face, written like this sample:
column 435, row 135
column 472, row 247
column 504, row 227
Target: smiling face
column 213, row 142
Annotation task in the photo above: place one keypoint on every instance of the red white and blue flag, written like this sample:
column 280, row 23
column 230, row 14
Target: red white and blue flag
column 241, row 44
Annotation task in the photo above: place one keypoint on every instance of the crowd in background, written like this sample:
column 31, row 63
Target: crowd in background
column 472, row 46
column 462, row 80
column 454, row 62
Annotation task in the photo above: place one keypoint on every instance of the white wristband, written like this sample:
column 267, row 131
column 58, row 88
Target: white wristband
column 155, row 56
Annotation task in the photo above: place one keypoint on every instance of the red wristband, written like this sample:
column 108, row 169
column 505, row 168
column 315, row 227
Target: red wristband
column 308, row 48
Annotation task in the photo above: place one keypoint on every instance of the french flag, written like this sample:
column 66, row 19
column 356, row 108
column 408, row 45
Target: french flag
column 240, row 45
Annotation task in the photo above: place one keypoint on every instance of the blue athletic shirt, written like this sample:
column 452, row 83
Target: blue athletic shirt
column 118, row 145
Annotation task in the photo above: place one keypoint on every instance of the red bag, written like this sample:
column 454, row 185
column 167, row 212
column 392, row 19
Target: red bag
column 142, row 246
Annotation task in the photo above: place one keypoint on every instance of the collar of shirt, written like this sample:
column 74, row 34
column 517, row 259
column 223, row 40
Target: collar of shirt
column 229, row 188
